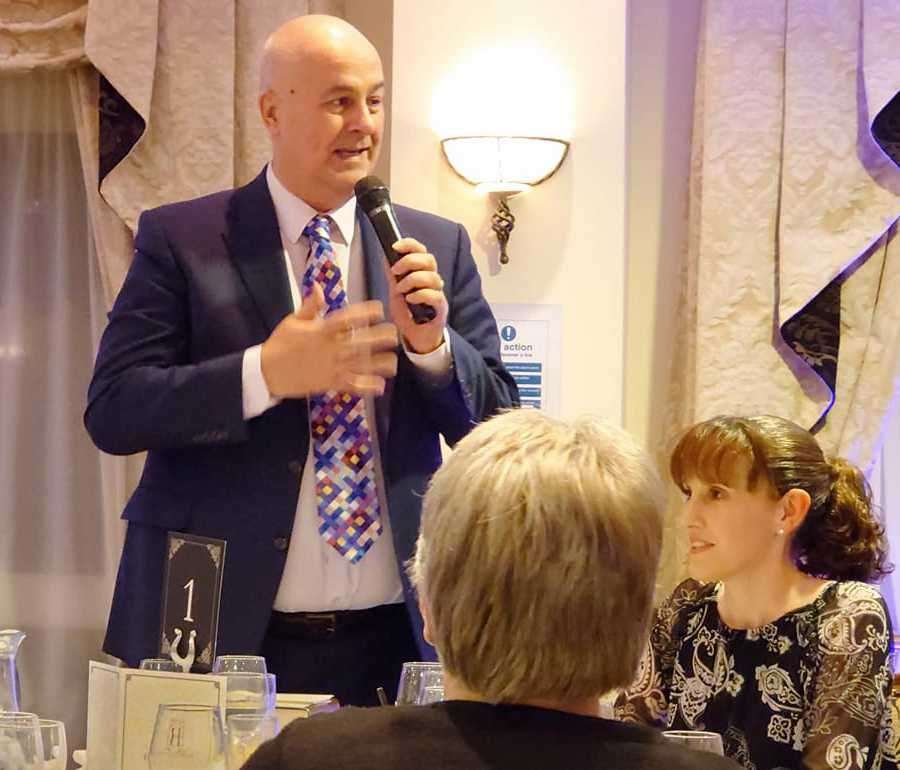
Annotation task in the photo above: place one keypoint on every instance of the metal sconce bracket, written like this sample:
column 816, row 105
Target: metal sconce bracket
column 502, row 223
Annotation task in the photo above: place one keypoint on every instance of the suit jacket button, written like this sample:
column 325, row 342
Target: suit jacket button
column 295, row 467
column 280, row 543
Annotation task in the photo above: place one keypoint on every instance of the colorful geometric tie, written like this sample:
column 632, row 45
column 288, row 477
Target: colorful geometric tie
column 342, row 444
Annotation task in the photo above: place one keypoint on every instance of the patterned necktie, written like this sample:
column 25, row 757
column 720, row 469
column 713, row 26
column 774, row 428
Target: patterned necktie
column 342, row 444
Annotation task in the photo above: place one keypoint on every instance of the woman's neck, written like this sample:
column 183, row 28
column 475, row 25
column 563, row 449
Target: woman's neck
column 751, row 600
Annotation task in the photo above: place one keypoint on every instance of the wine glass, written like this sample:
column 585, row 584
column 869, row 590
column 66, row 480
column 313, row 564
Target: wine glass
column 250, row 694
column 21, row 747
column 698, row 740
column 413, row 676
column 187, row 737
column 159, row 664
column 239, row 664
column 245, row 733
column 53, row 736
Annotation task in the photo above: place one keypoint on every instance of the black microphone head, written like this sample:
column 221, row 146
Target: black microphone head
column 370, row 193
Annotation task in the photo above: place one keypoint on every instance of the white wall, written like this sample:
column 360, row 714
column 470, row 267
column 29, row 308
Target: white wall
column 662, row 64
column 568, row 246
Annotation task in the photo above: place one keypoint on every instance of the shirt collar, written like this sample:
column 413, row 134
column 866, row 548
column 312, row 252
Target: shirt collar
column 293, row 213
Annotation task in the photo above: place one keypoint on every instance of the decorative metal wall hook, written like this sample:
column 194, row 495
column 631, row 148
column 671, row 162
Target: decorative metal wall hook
column 502, row 223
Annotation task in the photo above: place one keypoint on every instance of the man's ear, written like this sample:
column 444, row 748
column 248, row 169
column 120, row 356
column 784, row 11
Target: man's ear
column 794, row 505
column 268, row 110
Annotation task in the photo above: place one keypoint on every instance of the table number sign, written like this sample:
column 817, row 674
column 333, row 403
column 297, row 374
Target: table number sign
column 192, row 589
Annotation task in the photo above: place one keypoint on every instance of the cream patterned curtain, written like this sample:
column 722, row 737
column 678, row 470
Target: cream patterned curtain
column 188, row 70
column 41, row 35
column 792, row 267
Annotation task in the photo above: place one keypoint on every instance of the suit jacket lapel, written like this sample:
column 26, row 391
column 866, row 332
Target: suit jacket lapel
column 377, row 288
column 254, row 241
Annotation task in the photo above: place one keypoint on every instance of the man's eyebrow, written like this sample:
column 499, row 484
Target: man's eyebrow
column 345, row 89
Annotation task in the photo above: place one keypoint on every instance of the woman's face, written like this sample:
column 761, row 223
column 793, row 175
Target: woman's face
column 731, row 530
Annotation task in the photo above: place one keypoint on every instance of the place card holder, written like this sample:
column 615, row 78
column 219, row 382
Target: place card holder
column 192, row 592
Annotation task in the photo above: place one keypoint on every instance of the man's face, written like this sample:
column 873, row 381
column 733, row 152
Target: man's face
column 327, row 126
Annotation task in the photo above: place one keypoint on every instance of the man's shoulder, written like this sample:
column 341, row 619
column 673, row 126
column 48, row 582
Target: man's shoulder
column 206, row 207
column 408, row 216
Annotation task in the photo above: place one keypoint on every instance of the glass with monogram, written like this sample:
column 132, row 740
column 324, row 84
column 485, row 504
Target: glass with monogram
column 187, row 737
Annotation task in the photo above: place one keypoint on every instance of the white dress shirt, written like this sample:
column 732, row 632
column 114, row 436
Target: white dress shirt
column 316, row 577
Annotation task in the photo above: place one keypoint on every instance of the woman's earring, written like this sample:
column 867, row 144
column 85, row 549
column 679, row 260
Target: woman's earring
column 780, row 531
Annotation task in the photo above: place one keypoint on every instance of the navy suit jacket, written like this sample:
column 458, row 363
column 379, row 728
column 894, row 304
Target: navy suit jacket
column 208, row 281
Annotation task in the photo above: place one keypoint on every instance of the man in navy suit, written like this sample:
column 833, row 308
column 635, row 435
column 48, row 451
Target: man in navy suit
column 249, row 316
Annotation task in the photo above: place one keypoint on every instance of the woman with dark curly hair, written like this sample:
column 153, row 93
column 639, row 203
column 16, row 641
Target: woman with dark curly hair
column 776, row 641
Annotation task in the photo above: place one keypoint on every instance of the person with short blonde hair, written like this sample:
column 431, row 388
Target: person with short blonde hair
column 539, row 542
column 535, row 567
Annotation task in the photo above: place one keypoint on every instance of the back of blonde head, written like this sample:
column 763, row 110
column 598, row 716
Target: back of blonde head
column 537, row 557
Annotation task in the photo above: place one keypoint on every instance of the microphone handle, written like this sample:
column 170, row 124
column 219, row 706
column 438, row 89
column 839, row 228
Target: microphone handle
column 388, row 232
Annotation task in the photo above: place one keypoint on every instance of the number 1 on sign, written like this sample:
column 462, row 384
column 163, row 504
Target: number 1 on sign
column 189, row 587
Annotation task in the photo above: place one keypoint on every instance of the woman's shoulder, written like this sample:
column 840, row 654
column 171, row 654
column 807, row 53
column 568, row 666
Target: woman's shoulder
column 853, row 596
column 851, row 610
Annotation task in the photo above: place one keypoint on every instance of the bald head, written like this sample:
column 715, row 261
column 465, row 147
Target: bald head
column 321, row 100
column 308, row 39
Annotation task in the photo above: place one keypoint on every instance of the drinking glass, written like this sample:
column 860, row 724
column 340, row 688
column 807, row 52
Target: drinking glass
column 159, row 664
column 20, row 741
column 413, row 676
column 431, row 694
column 245, row 733
column 699, row 740
column 53, row 736
column 187, row 737
column 250, row 694
column 239, row 664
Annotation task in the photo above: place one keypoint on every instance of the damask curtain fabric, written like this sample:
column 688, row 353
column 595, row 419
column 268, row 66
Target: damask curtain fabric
column 793, row 266
column 41, row 35
column 179, row 83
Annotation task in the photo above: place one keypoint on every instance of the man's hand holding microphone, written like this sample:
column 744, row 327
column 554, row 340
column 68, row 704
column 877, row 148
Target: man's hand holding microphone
column 354, row 349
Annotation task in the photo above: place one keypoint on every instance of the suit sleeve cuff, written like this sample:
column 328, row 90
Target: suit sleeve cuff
column 255, row 392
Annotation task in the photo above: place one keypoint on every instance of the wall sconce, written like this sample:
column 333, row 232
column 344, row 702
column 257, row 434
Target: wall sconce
column 506, row 166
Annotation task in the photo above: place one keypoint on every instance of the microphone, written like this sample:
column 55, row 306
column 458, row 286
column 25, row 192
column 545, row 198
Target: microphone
column 375, row 200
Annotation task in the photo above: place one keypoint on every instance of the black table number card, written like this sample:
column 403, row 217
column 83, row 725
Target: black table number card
column 192, row 589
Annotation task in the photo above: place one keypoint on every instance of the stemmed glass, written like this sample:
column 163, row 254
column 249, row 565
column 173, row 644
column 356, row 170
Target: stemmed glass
column 53, row 736
column 698, row 740
column 187, row 737
column 245, row 733
column 250, row 694
column 20, row 741
column 159, row 664
column 239, row 664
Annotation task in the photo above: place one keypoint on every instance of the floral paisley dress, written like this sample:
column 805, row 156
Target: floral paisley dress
column 809, row 690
